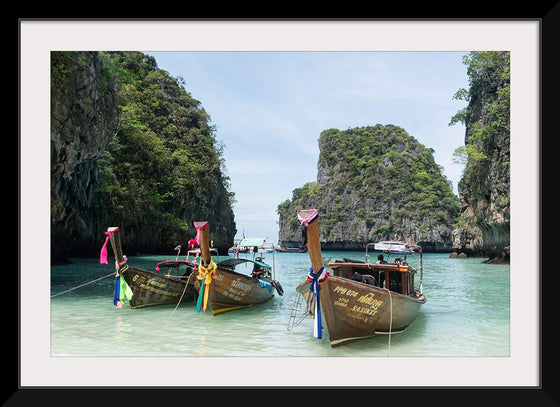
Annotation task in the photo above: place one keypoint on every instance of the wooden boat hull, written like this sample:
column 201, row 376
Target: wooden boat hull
column 354, row 310
column 231, row 290
column 151, row 288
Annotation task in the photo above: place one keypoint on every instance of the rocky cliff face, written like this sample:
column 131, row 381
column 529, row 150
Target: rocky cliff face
column 83, row 121
column 374, row 183
column 485, row 186
column 130, row 148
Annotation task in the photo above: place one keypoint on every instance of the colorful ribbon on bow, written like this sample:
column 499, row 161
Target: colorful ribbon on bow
column 205, row 275
column 103, row 254
column 122, row 290
column 309, row 215
column 304, row 217
column 196, row 240
column 314, row 288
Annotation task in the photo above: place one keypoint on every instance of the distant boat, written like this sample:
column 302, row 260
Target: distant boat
column 251, row 244
column 359, row 299
column 291, row 249
column 221, row 287
column 171, row 283
column 235, row 249
column 393, row 246
column 195, row 252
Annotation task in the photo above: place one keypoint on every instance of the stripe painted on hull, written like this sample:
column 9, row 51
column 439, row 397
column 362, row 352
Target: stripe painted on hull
column 230, row 308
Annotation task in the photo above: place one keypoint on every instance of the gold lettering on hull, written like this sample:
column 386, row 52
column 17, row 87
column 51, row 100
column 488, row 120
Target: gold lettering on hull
column 237, row 290
column 152, row 285
column 362, row 307
column 345, row 291
column 341, row 302
column 369, row 299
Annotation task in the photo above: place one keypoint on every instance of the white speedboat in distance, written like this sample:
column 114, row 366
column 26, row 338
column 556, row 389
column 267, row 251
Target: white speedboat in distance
column 392, row 246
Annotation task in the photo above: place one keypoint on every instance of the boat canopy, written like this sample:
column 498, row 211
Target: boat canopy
column 196, row 250
column 392, row 246
column 231, row 263
column 174, row 264
column 252, row 241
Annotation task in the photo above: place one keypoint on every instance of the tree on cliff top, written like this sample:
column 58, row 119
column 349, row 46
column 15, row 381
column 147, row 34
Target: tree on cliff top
column 487, row 118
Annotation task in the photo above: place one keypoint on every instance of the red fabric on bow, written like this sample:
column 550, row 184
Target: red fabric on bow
column 103, row 254
column 196, row 240
column 306, row 215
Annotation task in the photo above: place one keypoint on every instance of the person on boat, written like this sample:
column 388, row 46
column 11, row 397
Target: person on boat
column 187, row 272
column 381, row 260
column 364, row 278
column 257, row 271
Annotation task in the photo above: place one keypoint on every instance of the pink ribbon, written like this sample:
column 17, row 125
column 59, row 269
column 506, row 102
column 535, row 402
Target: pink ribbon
column 309, row 215
column 196, row 240
column 103, row 254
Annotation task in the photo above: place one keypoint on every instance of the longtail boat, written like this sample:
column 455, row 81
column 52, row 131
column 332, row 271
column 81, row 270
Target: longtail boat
column 358, row 299
column 223, row 288
column 171, row 283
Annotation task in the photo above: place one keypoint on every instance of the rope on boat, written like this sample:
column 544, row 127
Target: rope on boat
column 205, row 275
column 390, row 319
column 391, row 315
column 93, row 281
column 182, row 294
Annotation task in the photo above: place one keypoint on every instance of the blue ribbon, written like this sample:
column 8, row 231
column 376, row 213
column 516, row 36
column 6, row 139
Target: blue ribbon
column 116, row 297
column 315, row 288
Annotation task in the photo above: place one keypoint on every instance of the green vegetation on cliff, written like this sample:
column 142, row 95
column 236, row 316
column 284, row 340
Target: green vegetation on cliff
column 164, row 162
column 484, row 188
column 374, row 183
column 163, row 167
column 486, row 117
column 384, row 161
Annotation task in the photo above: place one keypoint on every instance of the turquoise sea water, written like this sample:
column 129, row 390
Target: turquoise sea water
column 467, row 313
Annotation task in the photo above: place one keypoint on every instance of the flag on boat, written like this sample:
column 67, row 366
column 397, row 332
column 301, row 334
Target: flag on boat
column 316, row 278
column 196, row 241
column 122, row 289
column 103, row 253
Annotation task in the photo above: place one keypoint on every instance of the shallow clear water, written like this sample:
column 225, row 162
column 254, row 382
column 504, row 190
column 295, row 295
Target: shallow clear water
column 467, row 313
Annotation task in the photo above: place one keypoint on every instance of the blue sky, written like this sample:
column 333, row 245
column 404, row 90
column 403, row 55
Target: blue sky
column 269, row 109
